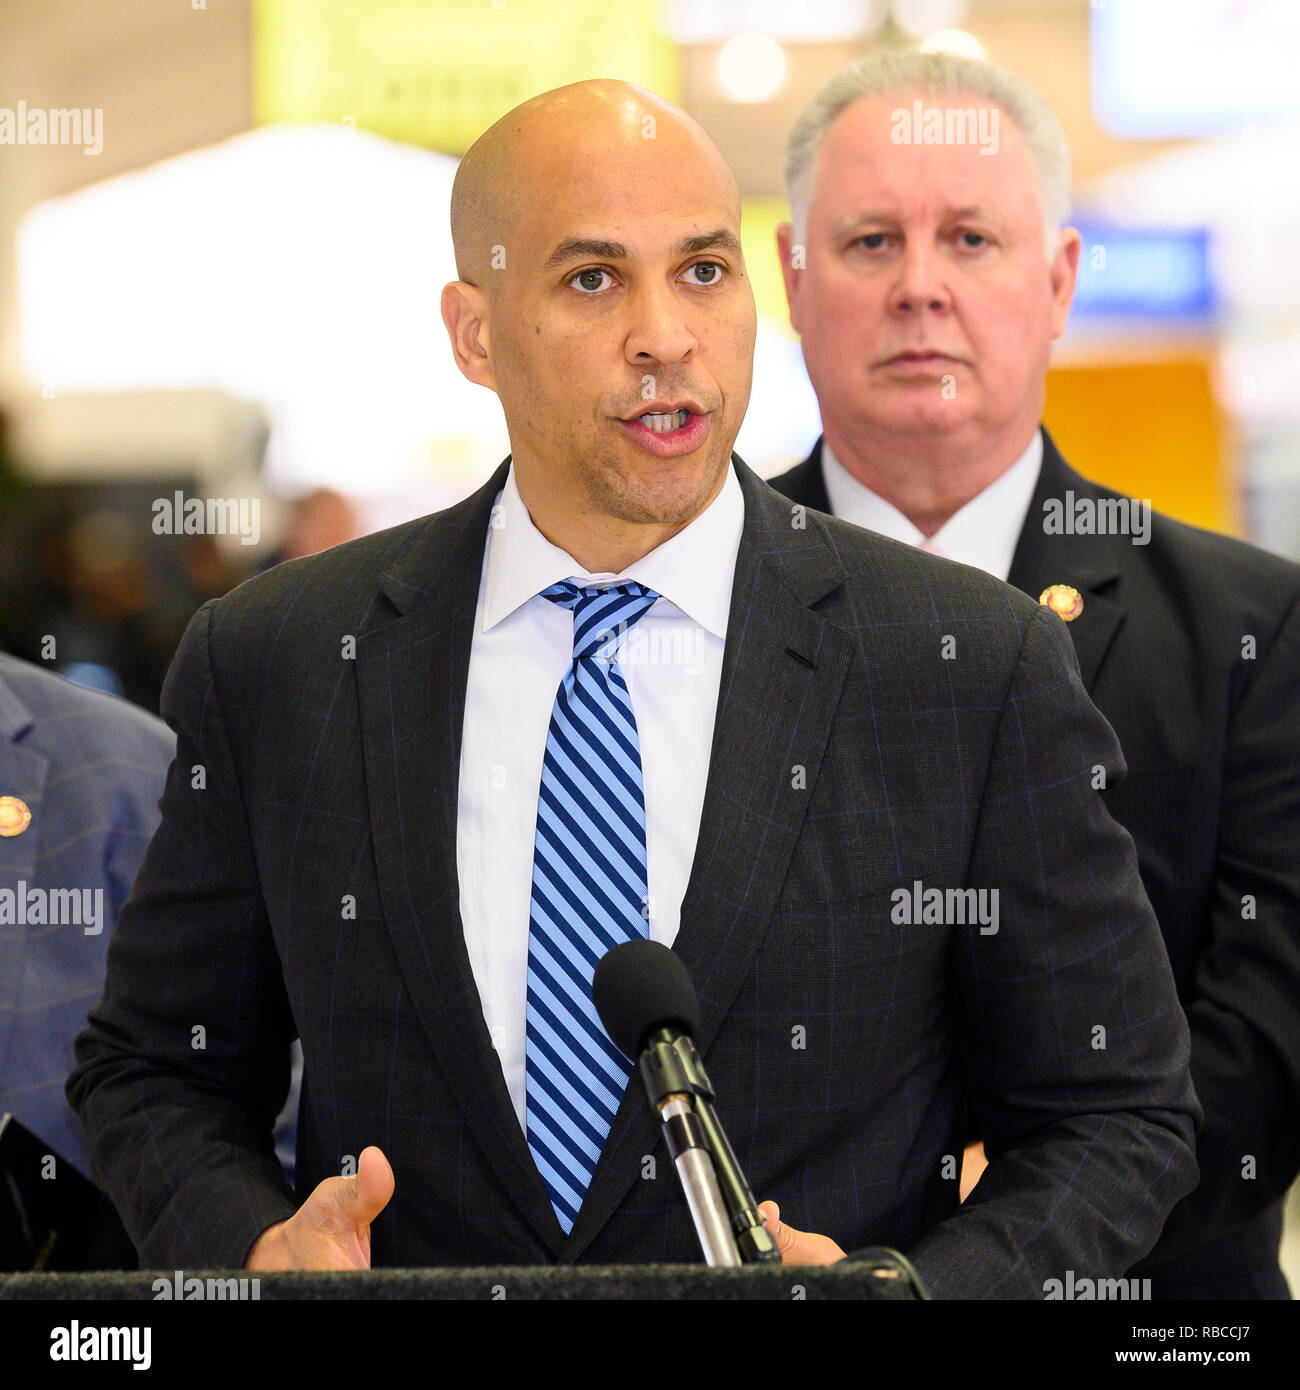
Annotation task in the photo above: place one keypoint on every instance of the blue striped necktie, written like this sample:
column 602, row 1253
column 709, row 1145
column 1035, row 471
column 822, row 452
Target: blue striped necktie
column 589, row 892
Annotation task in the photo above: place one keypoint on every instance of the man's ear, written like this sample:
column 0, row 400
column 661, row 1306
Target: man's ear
column 786, row 251
column 465, row 312
column 1065, row 274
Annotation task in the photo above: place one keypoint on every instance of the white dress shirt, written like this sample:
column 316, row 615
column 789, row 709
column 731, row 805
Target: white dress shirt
column 522, row 646
column 983, row 533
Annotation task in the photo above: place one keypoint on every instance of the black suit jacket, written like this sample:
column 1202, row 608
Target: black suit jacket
column 884, row 717
column 1212, row 798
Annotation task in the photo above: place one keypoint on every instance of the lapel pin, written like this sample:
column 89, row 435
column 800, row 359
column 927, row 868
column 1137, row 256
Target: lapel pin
column 15, row 815
column 1064, row 601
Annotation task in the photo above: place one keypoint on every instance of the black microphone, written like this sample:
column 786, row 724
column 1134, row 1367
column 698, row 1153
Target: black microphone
column 650, row 1010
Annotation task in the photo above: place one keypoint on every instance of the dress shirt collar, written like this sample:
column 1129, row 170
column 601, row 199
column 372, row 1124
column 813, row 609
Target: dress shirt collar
column 693, row 570
column 983, row 533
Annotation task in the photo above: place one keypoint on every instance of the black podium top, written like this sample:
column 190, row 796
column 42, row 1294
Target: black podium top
column 859, row 1278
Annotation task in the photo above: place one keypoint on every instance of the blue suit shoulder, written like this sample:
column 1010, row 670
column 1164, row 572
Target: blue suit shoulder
column 94, row 733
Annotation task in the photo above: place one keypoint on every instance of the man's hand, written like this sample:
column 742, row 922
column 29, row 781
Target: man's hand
column 973, row 1164
column 331, row 1230
column 798, row 1247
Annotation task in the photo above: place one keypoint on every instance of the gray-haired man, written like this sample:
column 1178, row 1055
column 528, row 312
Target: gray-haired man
column 928, row 273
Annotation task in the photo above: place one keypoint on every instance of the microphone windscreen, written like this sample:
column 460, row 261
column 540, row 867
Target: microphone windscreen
column 640, row 986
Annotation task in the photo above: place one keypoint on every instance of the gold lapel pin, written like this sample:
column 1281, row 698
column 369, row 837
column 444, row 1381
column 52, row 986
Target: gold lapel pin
column 1064, row 601
column 15, row 815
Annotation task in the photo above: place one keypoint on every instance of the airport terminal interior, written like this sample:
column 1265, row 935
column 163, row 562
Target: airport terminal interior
column 222, row 279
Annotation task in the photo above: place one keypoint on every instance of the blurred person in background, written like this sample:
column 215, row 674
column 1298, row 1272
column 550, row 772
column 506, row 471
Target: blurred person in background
column 317, row 521
column 927, row 282
column 101, row 624
column 92, row 593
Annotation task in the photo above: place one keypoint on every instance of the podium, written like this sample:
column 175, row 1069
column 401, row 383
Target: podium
column 865, row 1276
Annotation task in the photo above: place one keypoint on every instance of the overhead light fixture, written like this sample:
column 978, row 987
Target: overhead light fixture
column 751, row 67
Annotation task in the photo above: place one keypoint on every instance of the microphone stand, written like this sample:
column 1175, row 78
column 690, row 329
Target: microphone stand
column 699, row 1182
column 727, row 1219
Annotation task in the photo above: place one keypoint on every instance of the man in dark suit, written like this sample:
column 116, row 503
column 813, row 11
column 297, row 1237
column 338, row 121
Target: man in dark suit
column 926, row 338
column 849, row 784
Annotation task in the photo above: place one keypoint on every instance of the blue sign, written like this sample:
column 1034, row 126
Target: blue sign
column 1145, row 273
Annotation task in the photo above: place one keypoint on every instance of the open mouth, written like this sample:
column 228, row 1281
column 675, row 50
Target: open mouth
column 664, row 423
column 668, row 433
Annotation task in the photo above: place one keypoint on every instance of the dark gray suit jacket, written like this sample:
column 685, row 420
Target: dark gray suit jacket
column 1211, row 736
column 884, row 718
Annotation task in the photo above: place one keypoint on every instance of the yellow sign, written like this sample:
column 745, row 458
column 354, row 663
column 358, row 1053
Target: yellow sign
column 759, row 219
column 437, row 73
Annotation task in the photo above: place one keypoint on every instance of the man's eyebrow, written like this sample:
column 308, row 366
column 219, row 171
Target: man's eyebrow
column 579, row 248
column 722, row 240
column 861, row 219
column 975, row 210
column 576, row 248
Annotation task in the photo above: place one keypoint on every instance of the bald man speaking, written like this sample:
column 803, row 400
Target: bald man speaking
column 626, row 690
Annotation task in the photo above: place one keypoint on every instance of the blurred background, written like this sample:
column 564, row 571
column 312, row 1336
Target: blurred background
column 224, row 231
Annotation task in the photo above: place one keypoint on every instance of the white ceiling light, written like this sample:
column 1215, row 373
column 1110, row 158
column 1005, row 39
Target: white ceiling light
column 751, row 67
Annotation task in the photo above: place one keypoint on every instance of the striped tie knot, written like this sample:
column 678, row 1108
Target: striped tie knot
column 601, row 614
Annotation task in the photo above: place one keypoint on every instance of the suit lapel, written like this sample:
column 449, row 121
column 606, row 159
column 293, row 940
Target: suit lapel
column 411, row 674
column 1086, row 563
column 783, row 668
column 24, row 774
column 806, row 482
